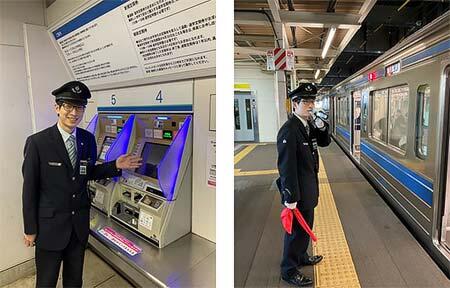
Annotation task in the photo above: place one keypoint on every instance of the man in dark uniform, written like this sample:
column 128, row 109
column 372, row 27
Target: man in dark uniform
column 298, row 166
column 58, row 163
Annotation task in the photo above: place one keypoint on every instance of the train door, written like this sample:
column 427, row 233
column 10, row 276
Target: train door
column 356, row 125
column 445, row 229
column 245, row 118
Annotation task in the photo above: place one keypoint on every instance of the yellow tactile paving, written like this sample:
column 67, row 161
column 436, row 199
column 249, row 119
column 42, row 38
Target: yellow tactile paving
column 239, row 156
column 337, row 269
column 238, row 172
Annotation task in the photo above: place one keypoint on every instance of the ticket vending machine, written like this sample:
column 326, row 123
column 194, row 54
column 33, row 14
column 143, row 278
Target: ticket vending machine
column 106, row 129
column 154, row 201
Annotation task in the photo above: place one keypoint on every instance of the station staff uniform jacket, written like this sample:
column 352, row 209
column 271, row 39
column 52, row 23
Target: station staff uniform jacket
column 298, row 166
column 55, row 198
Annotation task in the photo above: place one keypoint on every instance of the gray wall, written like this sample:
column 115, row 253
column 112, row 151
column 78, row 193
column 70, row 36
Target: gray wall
column 15, row 116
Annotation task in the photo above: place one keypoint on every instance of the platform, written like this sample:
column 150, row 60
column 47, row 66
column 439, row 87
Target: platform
column 363, row 242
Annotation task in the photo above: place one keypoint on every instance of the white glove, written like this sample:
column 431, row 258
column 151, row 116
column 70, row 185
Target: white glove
column 290, row 205
column 319, row 123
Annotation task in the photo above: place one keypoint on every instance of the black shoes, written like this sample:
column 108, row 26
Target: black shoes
column 298, row 280
column 312, row 260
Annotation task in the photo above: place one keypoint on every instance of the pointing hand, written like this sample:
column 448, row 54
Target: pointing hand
column 128, row 161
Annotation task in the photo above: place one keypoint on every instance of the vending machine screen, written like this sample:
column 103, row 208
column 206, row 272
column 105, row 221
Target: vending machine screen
column 105, row 147
column 152, row 154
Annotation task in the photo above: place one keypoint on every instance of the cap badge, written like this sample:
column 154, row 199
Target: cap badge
column 76, row 89
column 308, row 88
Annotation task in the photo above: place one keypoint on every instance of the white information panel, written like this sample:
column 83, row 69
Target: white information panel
column 176, row 97
column 122, row 40
column 211, row 161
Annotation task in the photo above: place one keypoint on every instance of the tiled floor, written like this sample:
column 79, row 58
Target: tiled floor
column 97, row 274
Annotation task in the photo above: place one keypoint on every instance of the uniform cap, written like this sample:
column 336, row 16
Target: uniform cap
column 303, row 91
column 74, row 92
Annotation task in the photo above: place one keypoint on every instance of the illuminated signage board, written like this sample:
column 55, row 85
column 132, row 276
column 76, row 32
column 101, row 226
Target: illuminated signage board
column 372, row 76
column 393, row 69
column 167, row 134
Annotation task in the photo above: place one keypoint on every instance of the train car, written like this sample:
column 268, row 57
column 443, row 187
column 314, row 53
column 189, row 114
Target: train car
column 392, row 119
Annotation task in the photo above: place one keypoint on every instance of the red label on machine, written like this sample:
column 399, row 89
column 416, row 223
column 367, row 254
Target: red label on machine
column 120, row 240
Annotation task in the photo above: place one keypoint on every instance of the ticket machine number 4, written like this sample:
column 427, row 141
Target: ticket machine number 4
column 159, row 97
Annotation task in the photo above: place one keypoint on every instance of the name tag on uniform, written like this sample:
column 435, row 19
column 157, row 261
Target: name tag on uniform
column 57, row 164
column 83, row 167
column 305, row 143
column 314, row 143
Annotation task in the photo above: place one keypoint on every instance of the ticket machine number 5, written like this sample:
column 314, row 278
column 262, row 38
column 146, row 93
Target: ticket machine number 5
column 113, row 99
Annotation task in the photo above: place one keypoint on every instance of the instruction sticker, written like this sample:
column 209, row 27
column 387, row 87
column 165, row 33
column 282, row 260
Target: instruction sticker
column 211, row 161
column 99, row 197
column 149, row 133
column 157, row 134
column 145, row 220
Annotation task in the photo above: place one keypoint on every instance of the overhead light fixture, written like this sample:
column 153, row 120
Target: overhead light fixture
column 403, row 5
column 317, row 74
column 330, row 37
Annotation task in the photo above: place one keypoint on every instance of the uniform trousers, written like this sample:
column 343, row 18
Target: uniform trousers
column 296, row 245
column 48, row 264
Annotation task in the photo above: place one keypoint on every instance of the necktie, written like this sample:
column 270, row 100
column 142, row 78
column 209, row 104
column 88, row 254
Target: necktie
column 72, row 150
column 307, row 128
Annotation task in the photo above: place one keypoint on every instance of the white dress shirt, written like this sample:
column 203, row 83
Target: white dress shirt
column 66, row 136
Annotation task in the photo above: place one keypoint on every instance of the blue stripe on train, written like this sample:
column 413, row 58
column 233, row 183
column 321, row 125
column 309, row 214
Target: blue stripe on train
column 414, row 182
column 433, row 50
column 344, row 133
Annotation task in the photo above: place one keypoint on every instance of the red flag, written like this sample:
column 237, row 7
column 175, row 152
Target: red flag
column 287, row 218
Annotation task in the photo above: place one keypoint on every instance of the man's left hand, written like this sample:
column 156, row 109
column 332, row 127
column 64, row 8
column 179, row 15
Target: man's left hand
column 128, row 161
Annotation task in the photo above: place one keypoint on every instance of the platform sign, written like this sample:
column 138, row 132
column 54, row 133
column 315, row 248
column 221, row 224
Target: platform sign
column 290, row 60
column 171, row 97
column 280, row 59
column 123, row 40
column 270, row 60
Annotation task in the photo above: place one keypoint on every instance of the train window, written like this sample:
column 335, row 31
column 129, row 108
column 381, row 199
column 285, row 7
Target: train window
column 343, row 112
column 398, row 116
column 237, row 118
column 423, row 118
column 379, row 114
column 364, row 116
